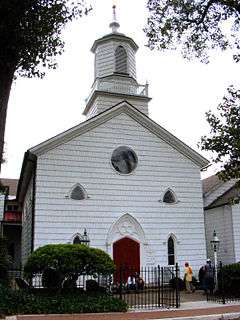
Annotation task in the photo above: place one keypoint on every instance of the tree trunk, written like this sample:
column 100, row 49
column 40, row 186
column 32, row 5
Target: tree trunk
column 6, row 78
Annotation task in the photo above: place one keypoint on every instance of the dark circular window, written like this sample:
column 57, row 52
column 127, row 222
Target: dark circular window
column 124, row 160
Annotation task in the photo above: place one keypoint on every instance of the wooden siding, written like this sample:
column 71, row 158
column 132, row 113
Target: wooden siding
column 86, row 160
column 220, row 219
column 27, row 223
column 2, row 200
column 103, row 102
column 236, row 230
column 105, row 59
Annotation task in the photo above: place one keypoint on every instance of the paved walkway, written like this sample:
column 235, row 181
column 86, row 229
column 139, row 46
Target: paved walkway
column 204, row 311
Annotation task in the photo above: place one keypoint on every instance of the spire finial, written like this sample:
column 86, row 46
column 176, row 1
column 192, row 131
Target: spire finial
column 114, row 12
column 114, row 25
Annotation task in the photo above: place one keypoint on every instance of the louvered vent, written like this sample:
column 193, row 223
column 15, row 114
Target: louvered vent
column 121, row 60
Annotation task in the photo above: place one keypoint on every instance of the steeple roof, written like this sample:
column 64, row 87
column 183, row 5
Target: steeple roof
column 114, row 35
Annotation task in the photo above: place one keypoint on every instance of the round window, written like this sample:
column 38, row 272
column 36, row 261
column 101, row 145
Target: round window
column 124, row 160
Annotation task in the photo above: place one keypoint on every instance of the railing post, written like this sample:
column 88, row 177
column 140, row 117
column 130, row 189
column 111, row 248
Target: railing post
column 158, row 283
column 146, row 88
column 120, row 287
column 222, row 282
column 162, row 287
column 177, row 287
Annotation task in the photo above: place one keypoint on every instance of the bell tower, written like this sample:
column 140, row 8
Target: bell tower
column 115, row 77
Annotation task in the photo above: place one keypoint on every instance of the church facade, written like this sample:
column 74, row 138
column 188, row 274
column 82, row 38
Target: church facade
column 132, row 186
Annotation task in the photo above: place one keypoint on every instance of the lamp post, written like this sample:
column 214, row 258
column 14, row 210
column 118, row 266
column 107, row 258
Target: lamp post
column 215, row 246
column 85, row 238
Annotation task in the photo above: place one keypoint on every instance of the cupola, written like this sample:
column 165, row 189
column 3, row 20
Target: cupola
column 115, row 73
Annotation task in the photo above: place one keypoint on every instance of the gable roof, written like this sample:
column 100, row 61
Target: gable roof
column 11, row 184
column 211, row 183
column 217, row 192
column 127, row 108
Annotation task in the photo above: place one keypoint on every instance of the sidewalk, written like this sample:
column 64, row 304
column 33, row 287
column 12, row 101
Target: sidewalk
column 201, row 309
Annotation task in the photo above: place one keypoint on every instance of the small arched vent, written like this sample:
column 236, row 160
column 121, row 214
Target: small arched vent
column 77, row 240
column 169, row 197
column 78, row 193
column 121, row 60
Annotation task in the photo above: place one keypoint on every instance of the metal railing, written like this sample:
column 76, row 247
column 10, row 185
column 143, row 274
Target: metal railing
column 145, row 288
column 116, row 86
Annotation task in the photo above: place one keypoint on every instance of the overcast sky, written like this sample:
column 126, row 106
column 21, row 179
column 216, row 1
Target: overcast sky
column 181, row 91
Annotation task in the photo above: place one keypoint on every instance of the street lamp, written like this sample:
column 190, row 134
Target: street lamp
column 85, row 238
column 82, row 239
column 215, row 246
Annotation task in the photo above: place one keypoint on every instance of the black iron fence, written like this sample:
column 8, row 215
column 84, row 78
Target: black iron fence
column 155, row 287
column 225, row 285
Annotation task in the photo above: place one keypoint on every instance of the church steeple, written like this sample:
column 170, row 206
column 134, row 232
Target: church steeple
column 115, row 73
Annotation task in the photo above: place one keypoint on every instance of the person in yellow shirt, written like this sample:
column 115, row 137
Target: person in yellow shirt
column 188, row 278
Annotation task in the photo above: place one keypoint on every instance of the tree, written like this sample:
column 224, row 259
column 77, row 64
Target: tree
column 61, row 261
column 30, row 40
column 195, row 26
column 224, row 138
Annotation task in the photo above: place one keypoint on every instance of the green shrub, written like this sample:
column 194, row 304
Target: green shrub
column 4, row 261
column 22, row 302
column 67, row 259
column 229, row 280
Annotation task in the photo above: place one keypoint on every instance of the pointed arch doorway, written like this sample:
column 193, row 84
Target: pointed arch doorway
column 126, row 254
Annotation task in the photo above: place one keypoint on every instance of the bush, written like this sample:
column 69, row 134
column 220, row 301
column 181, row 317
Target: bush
column 21, row 302
column 230, row 279
column 65, row 260
column 4, row 261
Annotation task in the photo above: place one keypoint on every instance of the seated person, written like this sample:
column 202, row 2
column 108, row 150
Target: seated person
column 131, row 282
column 139, row 282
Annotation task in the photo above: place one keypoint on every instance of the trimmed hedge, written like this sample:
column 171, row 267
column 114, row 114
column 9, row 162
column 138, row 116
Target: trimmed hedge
column 22, row 302
column 67, row 261
column 230, row 278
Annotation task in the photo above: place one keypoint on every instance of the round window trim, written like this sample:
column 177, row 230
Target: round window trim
column 124, row 160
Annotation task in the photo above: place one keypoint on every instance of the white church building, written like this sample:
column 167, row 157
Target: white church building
column 133, row 186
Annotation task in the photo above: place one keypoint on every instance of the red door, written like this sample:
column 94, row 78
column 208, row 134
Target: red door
column 126, row 254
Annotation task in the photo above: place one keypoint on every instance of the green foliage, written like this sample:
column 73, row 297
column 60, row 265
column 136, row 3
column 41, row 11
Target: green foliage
column 224, row 138
column 30, row 32
column 4, row 261
column 22, row 302
column 230, row 279
column 68, row 259
column 194, row 26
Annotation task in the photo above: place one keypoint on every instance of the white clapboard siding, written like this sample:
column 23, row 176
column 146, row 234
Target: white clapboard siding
column 220, row 220
column 27, row 223
column 86, row 160
column 102, row 103
column 236, row 230
column 2, row 200
column 105, row 58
